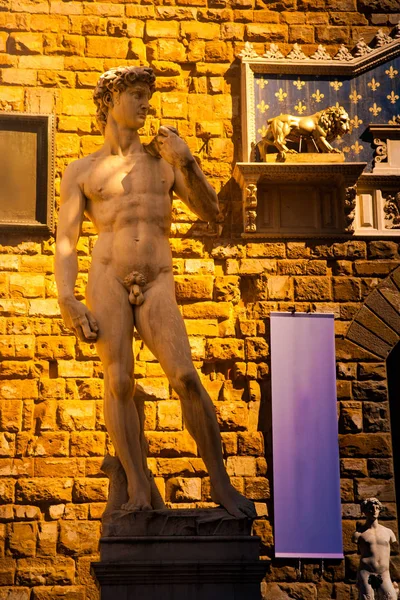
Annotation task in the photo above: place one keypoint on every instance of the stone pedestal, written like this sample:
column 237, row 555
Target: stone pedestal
column 179, row 555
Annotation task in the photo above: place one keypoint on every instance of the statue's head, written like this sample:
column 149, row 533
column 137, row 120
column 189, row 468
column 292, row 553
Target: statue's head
column 371, row 507
column 115, row 81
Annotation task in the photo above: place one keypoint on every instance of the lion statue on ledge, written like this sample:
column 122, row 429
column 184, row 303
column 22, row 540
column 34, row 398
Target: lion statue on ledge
column 317, row 130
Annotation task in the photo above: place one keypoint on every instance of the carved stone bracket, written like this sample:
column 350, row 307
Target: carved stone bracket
column 350, row 208
column 380, row 150
column 298, row 199
column 250, row 208
column 391, row 209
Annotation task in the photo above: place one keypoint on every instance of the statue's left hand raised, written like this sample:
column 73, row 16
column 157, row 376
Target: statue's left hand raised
column 172, row 148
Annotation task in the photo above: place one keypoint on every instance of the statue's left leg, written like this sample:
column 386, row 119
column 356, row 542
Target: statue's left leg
column 162, row 329
column 386, row 590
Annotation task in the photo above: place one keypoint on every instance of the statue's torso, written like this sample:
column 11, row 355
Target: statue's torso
column 374, row 545
column 129, row 202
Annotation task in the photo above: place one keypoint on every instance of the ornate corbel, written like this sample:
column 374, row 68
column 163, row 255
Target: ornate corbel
column 391, row 209
column 250, row 208
column 350, row 208
column 380, row 150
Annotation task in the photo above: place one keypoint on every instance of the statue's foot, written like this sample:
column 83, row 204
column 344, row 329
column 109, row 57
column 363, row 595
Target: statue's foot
column 136, row 505
column 237, row 505
column 138, row 499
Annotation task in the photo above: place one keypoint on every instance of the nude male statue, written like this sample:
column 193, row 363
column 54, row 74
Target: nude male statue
column 126, row 190
column 373, row 577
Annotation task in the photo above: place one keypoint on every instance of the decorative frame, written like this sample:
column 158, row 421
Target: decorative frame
column 33, row 137
column 362, row 58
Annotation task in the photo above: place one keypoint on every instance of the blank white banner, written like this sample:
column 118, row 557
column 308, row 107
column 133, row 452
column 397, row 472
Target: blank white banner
column 305, row 437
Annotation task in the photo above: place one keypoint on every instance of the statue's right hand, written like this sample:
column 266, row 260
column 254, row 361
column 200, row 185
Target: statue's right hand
column 78, row 318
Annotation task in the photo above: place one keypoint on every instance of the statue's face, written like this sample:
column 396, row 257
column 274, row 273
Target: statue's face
column 131, row 106
column 372, row 511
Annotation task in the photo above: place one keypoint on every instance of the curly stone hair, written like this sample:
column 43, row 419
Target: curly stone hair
column 118, row 79
column 370, row 502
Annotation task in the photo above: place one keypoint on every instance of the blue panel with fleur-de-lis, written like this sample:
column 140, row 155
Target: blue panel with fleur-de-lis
column 372, row 97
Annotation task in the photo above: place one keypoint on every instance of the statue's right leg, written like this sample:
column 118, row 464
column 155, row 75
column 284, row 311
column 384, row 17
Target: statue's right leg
column 365, row 590
column 109, row 303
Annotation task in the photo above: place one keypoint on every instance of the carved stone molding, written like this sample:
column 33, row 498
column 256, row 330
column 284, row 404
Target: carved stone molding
column 346, row 62
column 250, row 208
column 298, row 199
column 380, row 150
column 378, row 205
column 391, row 209
column 350, row 208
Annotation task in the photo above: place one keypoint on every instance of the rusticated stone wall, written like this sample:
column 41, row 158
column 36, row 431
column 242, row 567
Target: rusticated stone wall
column 52, row 436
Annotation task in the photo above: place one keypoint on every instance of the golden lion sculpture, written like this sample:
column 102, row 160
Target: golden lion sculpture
column 317, row 130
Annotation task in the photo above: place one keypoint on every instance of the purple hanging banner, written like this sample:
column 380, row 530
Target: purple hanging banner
column 306, row 487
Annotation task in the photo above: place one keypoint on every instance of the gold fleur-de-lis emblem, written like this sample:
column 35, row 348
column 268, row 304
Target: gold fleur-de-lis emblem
column 392, row 97
column 261, row 82
column 262, row 107
column 374, row 109
column 354, row 97
column 262, row 131
column 318, row 96
column 392, row 72
column 356, row 122
column 346, row 149
column 374, row 84
column 299, row 83
column 357, row 147
column 395, row 120
column 281, row 95
column 336, row 85
column 300, row 107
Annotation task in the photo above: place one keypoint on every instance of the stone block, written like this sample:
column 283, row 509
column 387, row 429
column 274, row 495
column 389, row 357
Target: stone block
column 81, row 537
column 55, row 347
column 181, row 489
column 380, row 467
column 224, row 349
column 376, row 488
column 88, row 443
column 371, row 371
column 171, row 444
column 72, row 592
column 45, row 571
column 227, row 288
column 376, row 417
column 161, row 29
column 21, row 539
column 7, row 571
column 370, row 390
column 346, row 289
column 257, row 488
column 256, row 348
column 47, row 539
column 75, row 368
column 45, row 489
column 193, row 287
column 383, row 249
column 27, row 285
column 353, row 467
column 312, row 288
column 76, row 415
column 169, row 415
column 10, row 414
column 361, row 445
column 280, row 288
column 90, row 490
column 351, row 418
column 232, row 416
column 266, row 32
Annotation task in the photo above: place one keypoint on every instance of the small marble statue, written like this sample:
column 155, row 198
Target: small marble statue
column 316, row 130
column 373, row 540
column 125, row 188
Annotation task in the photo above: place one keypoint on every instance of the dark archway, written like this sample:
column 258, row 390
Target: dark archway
column 373, row 338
